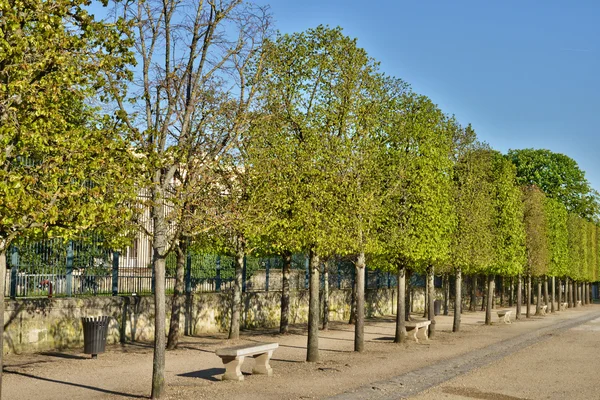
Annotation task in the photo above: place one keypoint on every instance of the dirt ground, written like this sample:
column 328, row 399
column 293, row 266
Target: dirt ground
column 556, row 366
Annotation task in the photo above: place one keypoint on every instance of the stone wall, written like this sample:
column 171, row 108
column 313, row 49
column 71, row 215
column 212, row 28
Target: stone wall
column 55, row 324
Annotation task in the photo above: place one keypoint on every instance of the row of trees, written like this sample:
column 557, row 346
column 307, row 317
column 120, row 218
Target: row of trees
column 250, row 142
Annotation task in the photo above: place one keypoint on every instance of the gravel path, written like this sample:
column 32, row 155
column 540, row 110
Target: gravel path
column 193, row 371
column 419, row 380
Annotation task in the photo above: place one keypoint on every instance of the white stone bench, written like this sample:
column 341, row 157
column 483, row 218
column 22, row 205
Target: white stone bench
column 504, row 315
column 543, row 309
column 233, row 357
column 423, row 326
column 564, row 306
column 578, row 303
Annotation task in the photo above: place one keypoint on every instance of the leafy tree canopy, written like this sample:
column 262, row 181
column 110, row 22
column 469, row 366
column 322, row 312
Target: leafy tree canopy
column 559, row 177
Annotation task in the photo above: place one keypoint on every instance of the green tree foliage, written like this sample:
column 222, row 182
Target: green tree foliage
column 63, row 165
column 418, row 214
column 309, row 145
column 61, row 160
column 556, row 215
column 577, row 244
column 536, row 229
column 509, row 232
column 559, row 177
column 473, row 243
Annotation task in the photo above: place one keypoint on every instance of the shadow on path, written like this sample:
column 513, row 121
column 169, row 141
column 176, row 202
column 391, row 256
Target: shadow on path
column 208, row 374
column 97, row 389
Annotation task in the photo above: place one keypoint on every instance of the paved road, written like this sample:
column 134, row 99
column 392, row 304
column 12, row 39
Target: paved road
column 541, row 364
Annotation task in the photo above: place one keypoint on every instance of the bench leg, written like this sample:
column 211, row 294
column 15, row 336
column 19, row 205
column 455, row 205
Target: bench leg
column 426, row 333
column 416, row 330
column 261, row 364
column 232, row 368
column 507, row 319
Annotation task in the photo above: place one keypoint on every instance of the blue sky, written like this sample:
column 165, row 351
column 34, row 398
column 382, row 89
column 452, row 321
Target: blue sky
column 524, row 73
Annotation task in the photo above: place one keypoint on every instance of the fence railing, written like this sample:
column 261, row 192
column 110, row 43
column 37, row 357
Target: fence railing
column 56, row 268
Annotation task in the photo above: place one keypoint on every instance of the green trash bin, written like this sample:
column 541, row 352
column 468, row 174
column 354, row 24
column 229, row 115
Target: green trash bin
column 437, row 305
column 94, row 335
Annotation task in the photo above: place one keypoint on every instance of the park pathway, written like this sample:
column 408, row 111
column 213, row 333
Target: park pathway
column 414, row 382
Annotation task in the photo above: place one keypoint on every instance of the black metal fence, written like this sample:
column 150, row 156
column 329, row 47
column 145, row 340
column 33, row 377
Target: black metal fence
column 53, row 267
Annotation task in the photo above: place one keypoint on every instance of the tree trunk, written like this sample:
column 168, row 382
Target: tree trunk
column 312, row 348
column 430, row 285
column 284, row 320
column 484, row 298
column 178, row 295
column 587, row 293
column 568, row 293
column 159, row 249
column 546, row 302
column 519, row 296
column 353, row 302
column 490, row 299
column 426, row 302
column 325, row 324
column 401, row 310
column 511, row 292
column 552, row 295
column 457, row 300
column 446, row 294
column 538, row 305
column 502, row 291
column 560, row 295
column 528, row 297
column 408, row 296
column 3, row 248
column 236, row 304
column 473, row 303
column 359, row 327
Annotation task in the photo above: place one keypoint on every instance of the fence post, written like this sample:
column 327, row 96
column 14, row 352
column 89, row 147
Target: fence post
column 306, row 275
column 339, row 276
column 389, row 280
column 218, row 278
column 244, row 276
column 152, row 283
column 69, row 276
column 115, row 273
column 188, row 273
column 14, row 260
column 267, row 274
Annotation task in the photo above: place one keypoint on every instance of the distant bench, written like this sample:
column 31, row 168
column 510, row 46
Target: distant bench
column 416, row 326
column 578, row 303
column 233, row 357
column 543, row 309
column 504, row 315
column 564, row 306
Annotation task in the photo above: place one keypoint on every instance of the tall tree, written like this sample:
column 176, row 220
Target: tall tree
column 61, row 158
column 187, row 105
column 509, row 233
column 418, row 215
column 556, row 215
column 559, row 177
column 536, row 238
column 308, row 104
column 473, row 241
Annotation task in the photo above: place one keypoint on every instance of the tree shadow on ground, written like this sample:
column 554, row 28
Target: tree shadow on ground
column 63, row 355
column 208, row 374
column 97, row 389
